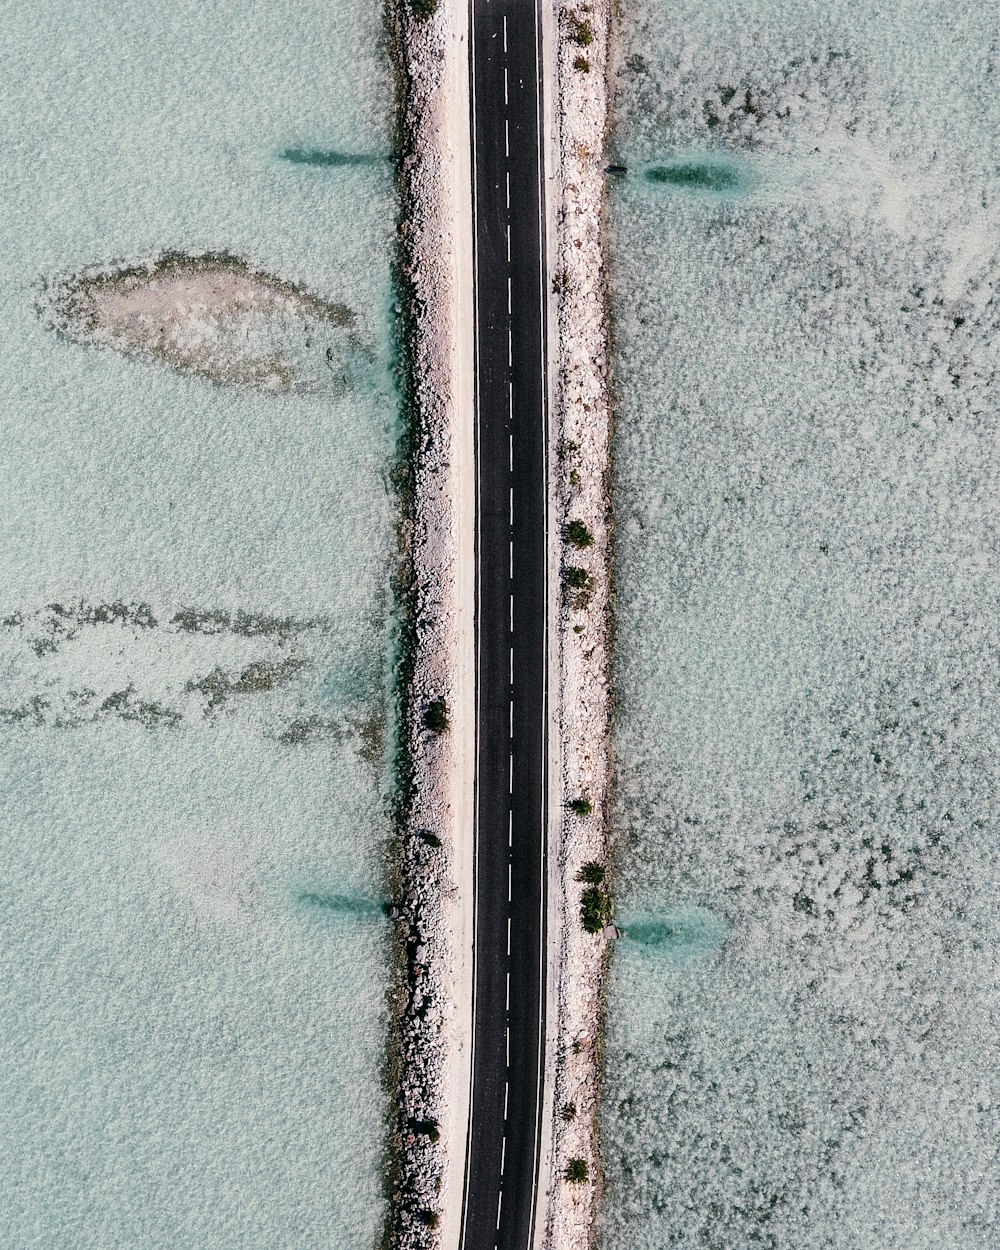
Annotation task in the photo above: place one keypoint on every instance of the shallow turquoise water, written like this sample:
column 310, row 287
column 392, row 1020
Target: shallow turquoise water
column 684, row 935
column 806, row 477
column 191, row 1032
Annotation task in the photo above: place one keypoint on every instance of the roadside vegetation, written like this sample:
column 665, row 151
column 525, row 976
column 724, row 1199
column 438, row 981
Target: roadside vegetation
column 596, row 908
column 423, row 9
column 581, row 30
column 581, row 806
column 428, row 1128
column 578, row 535
column 577, row 1172
column 579, row 583
column 591, row 873
column 436, row 716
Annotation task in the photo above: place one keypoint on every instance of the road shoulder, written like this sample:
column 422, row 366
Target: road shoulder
column 580, row 481
column 438, row 842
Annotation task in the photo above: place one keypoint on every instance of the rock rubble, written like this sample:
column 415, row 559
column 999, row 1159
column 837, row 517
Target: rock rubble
column 427, row 922
column 581, row 454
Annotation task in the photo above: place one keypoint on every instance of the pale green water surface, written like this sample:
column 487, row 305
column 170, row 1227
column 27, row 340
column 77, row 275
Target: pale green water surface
column 194, row 646
column 801, row 1048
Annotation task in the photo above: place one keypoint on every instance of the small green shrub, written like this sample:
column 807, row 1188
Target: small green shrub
column 577, row 1047
column 580, row 582
column 582, row 64
column 580, row 807
column 581, row 31
column 577, row 629
column 428, row 1128
column 568, row 1111
column 429, row 1219
column 578, row 535
column 423, row 9
column 595, row 909
column 591, row 873
column 436, row 716
column 577, row 1172
column 574, row 477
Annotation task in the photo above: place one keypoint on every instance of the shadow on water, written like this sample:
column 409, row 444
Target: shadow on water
column 713, row 176
column 330, row 158
column 352, row 906
column 683, row 935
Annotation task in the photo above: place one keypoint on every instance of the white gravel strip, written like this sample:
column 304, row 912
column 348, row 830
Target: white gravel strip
column 437, row 868
column 581, row 431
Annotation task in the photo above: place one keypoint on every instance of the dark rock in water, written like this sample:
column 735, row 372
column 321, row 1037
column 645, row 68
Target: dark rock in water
column 616, row 171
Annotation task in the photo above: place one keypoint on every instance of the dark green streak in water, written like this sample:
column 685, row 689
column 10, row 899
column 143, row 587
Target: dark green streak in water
column 695, row 176
column 656, row 933
column 327, row 158
column 685, row 934
column 341, row 904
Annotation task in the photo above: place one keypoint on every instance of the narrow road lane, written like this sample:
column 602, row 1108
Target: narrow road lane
column 509, row 979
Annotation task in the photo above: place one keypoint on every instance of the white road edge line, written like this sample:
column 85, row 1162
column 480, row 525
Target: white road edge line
column 478, row 547
column 543, row 895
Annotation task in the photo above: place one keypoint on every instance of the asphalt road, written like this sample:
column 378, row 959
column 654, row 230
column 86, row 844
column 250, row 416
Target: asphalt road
column 502, row 1162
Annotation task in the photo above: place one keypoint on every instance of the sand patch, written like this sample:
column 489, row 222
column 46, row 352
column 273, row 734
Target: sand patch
column 213, row 315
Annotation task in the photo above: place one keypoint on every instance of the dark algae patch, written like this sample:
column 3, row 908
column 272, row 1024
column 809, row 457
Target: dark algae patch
column 46, row 630
column 256, row 678
column 309, row 729
column 714, row 177
column 247, row 624
column 66, row 692
column 330, row 158
column 340, row 904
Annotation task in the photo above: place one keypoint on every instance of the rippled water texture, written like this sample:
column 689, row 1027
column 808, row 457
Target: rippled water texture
column 802, row 1020
column 195, row 541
